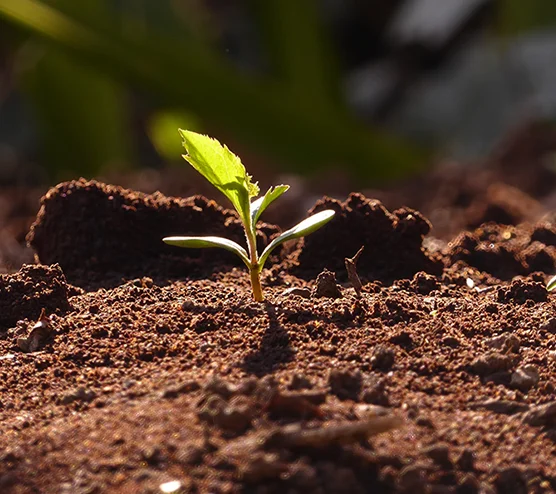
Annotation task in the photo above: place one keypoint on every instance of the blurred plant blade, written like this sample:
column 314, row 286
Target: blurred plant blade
column 81, row 114
column 196, row 78
column 299, row 50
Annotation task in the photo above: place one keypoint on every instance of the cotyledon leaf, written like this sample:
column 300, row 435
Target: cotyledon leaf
column 551, row 284
column 302, row 229
column 258, row 206
column 204, row 242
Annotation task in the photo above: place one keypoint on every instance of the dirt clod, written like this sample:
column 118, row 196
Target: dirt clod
column 392, row 241
column 524, row 378
column 521, row 291
column 40, row 333
column 346, row 385
column 25, row 294
column 326, row 286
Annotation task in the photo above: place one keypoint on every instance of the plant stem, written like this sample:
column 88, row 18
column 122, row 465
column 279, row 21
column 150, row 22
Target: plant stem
column 256, row 284
column 254, row 271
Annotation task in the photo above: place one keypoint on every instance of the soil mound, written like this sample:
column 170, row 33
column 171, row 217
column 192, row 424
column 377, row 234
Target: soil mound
column 506, row 251
column 24, row 294
column 392, row 241
column 94, row 227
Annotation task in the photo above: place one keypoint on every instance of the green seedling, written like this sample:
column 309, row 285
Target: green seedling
column 224, row 170
column 551, row 285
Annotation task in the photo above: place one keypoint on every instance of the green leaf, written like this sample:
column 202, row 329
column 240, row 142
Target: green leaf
column 207, row 242
column 302, row 229
column 551, row 285
column 221, row 168
column 258, row 206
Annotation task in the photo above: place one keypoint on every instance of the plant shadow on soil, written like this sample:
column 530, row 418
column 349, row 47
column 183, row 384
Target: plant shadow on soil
column 274, row 349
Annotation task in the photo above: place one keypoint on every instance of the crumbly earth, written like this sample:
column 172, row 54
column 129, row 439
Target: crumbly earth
column 440, row 377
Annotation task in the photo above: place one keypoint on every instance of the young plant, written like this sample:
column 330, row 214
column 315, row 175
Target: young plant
column 224, row 170
column 551, row 285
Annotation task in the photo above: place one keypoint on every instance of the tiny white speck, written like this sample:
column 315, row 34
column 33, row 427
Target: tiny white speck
column 172, row 486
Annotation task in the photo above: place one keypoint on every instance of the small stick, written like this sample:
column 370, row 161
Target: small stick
column 351, row 269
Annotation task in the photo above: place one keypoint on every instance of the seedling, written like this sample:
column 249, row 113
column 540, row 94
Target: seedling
column 551, row 285
column 224, row 170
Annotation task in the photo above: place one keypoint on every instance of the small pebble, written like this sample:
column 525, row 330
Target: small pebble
column 524, row 378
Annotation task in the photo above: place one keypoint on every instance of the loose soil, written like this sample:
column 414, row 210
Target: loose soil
column 129, row 366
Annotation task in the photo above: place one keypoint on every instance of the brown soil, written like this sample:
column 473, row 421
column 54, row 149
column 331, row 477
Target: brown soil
column 153, row 364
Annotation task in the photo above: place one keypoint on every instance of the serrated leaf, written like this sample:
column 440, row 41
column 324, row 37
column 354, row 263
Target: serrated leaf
column 221, row 168
column 551, row 285
column 302, row 229
column 258, row 206
column 208, row 242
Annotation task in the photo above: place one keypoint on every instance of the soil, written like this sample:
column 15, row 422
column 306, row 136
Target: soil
column 129, row 366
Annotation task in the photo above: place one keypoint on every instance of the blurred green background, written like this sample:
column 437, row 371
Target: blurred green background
column 377, row 89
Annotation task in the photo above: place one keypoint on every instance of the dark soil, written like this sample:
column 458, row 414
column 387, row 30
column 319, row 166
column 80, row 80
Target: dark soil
column 153, row 370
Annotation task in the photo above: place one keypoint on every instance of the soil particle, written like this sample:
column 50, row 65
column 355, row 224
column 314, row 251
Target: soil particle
column 507, row 343
column 392, row 241
column 25, row 294
column 466, row 460
column 520, row 291
column 375, row 391
column 524, row 378
column 40, row 333
column 511, row 481
column 500, row 406
column 492, row 363
column 326, row 286
column 300, row 292
column 346, row 385
column 424, row 283
column 80, row 394
column 383, row 358
column 439, row 454
column 541, row 415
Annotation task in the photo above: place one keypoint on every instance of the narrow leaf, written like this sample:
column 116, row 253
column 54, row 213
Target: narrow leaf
column 258, row 206
column 302, row 229
column 551, row 284
column 207, row 242
column 221, row 168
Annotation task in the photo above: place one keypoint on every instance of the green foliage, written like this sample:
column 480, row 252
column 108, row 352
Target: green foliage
column 224, row 170
column 258, row 206
column 551, row 285
column 294, row 112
